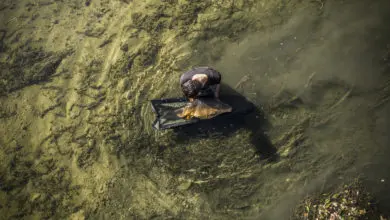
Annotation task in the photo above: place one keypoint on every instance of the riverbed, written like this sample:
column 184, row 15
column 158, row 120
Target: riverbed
column 77, row 78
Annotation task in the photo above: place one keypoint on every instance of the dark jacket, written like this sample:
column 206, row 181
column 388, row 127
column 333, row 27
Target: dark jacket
column 214, row 77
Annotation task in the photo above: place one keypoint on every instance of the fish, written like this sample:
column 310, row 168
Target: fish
column 203, row 108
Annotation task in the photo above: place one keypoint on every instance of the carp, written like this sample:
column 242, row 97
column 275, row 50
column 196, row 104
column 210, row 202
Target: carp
column 203, row 108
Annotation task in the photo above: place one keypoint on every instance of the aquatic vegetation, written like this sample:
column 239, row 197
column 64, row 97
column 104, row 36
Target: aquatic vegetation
column 347, row 202
column 77, row 78
column 28, row 67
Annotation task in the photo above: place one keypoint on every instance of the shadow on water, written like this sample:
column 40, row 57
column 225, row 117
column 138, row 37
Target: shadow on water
column 245, row 115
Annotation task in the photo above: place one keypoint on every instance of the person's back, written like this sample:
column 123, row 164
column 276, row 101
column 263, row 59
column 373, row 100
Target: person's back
column 199, row 82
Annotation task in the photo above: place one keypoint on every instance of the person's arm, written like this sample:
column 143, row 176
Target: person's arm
column 217, row 88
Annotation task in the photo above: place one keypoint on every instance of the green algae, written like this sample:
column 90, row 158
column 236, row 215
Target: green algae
column 90, row 152
column 29, row 67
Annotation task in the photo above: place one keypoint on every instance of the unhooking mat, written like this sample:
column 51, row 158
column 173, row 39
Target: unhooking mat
column 168, row 110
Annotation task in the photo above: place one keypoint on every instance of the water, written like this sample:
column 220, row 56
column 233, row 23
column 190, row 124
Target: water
column 77, row 139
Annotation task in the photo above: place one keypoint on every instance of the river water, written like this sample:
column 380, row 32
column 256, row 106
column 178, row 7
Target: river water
column 77, row 78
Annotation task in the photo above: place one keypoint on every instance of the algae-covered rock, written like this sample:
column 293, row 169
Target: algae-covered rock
column 346, row 202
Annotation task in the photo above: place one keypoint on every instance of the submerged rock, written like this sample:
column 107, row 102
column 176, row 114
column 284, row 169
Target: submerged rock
column 347, row 202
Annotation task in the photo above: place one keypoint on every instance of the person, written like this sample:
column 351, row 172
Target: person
column 200, row 81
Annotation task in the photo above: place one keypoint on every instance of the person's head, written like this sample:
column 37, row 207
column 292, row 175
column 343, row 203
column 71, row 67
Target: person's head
column 191, row 88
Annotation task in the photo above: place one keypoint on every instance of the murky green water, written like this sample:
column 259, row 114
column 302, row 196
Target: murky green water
column 77, row 78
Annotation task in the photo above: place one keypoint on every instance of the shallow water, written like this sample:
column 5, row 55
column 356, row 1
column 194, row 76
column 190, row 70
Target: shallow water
column 77, row 78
